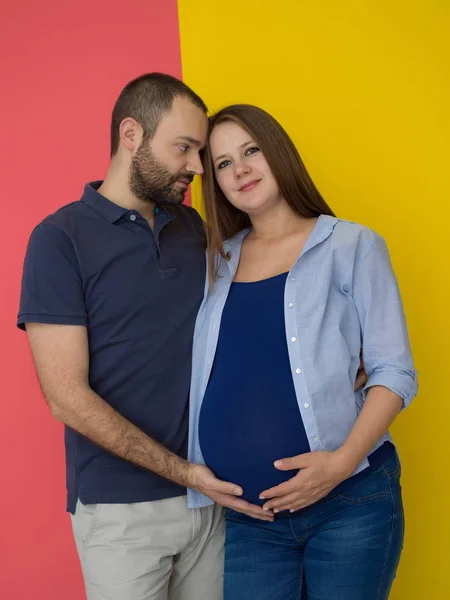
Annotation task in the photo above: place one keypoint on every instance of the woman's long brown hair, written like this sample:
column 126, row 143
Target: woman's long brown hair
column 223, row 220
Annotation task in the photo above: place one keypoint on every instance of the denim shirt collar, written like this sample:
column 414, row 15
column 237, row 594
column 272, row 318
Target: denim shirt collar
column 322, row 230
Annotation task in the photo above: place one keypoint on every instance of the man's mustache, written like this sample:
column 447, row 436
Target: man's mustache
column 185, row 177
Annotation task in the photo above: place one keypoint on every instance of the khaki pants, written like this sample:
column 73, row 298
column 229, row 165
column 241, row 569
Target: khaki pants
column 159, row 550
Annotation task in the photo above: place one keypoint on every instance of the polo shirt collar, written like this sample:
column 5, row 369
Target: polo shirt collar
column 109, row 210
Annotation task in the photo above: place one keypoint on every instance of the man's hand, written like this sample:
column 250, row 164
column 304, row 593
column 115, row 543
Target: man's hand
column 319, row 473
column 224, row 493
column 361, row 376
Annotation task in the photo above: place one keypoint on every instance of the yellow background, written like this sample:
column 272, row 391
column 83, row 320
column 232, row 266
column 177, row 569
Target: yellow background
column 363, row 88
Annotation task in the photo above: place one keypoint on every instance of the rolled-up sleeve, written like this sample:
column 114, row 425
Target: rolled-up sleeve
column 386, row 349
column 52, row 289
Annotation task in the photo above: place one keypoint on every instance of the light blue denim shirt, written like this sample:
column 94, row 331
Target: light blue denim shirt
column 341, row 296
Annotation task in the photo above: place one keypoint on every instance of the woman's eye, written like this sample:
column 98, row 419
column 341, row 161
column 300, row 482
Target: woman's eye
column 223, row 164
column 251, row 150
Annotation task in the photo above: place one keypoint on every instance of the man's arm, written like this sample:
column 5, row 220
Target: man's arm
column 61, row 357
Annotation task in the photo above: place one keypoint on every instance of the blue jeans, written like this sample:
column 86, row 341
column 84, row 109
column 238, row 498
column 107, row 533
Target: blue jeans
column 345, row 547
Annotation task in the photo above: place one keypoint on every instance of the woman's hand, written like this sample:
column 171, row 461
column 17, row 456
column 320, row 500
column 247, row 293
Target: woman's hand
column 322, row 471
column 319, row 473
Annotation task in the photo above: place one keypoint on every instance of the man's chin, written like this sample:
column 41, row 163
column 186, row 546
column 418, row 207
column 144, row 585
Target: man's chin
column 171, row 201
column 164, row 199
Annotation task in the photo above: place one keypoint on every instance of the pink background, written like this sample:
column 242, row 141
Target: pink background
column 62, row 69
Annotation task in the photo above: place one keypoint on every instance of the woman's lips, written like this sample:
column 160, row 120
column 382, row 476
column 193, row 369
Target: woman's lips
column 249, row 186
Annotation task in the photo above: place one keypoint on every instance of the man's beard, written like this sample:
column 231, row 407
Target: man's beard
column 152, row 181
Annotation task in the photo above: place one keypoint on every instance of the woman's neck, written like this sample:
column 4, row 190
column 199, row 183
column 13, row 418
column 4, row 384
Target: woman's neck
column 277, row 223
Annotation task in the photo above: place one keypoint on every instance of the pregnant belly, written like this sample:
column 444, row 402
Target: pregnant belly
column 241, row 442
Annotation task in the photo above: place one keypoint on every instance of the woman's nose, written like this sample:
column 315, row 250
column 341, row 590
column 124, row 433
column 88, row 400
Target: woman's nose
column 241, row 169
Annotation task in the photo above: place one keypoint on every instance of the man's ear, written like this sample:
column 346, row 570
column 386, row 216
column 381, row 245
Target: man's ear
column 130, row 134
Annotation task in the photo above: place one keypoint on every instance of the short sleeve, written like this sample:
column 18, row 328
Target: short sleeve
column 52, row 287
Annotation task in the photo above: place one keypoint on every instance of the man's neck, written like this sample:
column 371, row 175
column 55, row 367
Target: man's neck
column 116, row 189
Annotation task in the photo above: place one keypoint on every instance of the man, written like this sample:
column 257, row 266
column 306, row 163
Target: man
column 111, row 287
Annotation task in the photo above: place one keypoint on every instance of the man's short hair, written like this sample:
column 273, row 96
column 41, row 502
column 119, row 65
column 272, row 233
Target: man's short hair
column 146, row 99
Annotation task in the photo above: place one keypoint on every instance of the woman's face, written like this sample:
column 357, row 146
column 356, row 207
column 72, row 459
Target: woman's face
column 241, row 169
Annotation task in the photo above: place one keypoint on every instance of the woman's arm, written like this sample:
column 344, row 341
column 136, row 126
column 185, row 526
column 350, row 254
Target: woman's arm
column 377, row 415
column 385, row 342
column 391, row 385
column 320, row 472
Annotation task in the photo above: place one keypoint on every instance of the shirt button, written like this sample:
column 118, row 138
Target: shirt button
column 298, row 370
column 290, row 305
column 293, row 339
column 306, row 405
column 293, row 278
column 132, row 217
column 315, row 438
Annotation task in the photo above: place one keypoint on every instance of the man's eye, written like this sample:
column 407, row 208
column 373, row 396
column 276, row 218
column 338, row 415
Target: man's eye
column 184, row 147
column 251, row 150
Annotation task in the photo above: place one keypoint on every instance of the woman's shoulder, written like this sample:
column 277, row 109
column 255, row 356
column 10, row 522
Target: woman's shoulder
column 236, row 240
column 348, row 234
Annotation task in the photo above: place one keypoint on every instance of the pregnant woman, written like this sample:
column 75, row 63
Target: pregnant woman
column 294, row 296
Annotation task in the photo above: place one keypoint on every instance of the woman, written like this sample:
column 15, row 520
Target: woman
column 294, row 296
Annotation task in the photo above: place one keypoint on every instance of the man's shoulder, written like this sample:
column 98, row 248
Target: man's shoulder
column 190, row 219
column 189, row 212
column 59, row 229
column 63, row 215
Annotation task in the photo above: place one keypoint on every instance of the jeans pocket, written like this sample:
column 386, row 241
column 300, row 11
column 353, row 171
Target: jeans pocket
column 88, row 515
column 392, row 466
column 374, row 487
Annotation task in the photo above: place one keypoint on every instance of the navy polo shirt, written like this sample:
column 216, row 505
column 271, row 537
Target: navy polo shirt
column 95, row 264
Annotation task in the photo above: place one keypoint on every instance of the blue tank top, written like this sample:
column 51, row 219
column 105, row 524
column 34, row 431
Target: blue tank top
column 250, row 415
